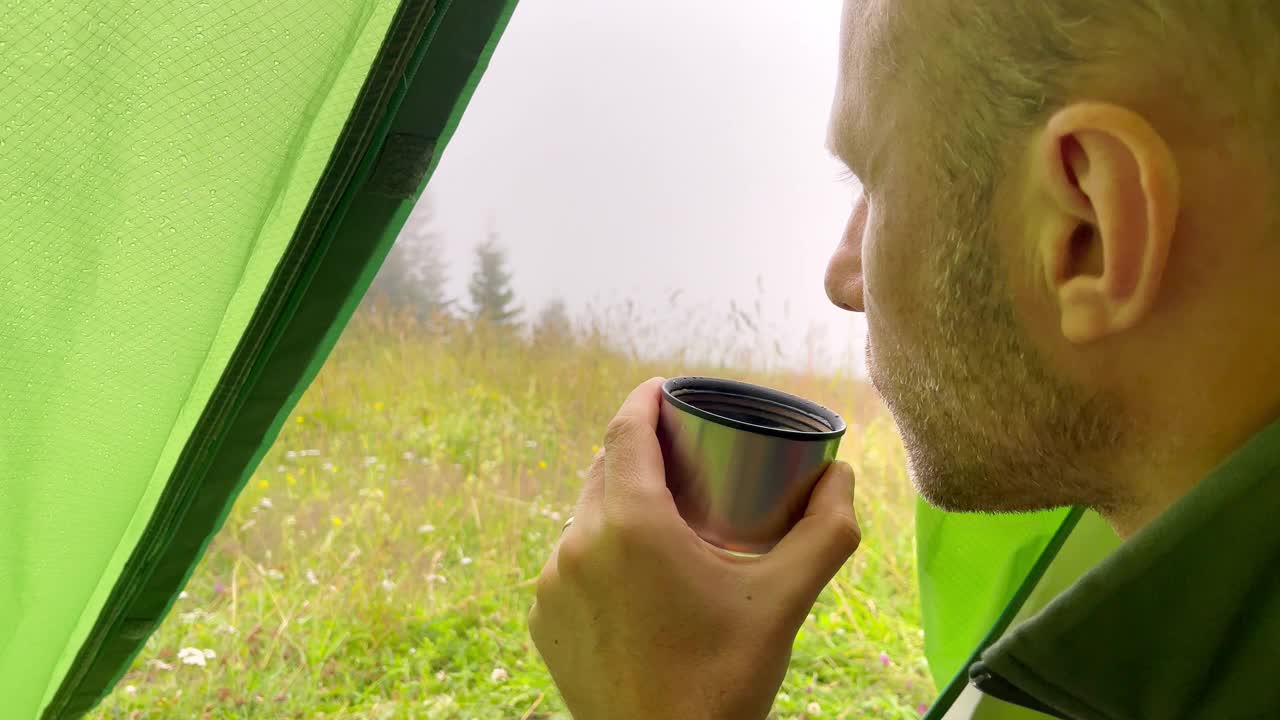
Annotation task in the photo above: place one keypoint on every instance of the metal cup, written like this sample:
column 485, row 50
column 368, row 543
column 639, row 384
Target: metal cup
column 741, row 459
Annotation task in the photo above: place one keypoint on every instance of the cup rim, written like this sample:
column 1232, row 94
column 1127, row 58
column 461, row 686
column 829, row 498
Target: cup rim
column 712, row 384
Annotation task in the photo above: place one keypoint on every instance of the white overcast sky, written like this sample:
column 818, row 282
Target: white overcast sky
column 626, row 150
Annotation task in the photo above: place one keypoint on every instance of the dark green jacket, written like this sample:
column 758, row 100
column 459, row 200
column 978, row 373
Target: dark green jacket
column 1181, row 621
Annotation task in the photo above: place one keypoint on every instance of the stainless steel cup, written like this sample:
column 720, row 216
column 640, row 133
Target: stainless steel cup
column 741, row 459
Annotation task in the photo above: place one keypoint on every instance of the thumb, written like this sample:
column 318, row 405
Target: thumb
column 817, row 547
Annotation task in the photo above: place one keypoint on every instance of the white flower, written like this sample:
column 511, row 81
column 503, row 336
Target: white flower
column 531, row 444
column 424, row 529
column 407, row 455
column 291, row 454
column 182, row 595
column 327, row 466
column 498, row 675
column 311, row 577
column 279, row 468
column 226, row 630
column 189, row 617
column 784, row 696
column 265, row 502
column 130, row 690
column 159, row 665
column 434, row 578
column 275, row 574
column 413, row 651
column 370, row 460
column 554, row 516
column 312, row 453
column 813, row 709
column 440, row 676
column 195, row 656
column 388, row 585
column 466, row 561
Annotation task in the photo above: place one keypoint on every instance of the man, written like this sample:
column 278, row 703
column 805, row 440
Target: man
column 1066, row 249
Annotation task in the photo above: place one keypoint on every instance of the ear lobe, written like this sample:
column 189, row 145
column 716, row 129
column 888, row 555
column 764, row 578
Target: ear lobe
column 1112, row 183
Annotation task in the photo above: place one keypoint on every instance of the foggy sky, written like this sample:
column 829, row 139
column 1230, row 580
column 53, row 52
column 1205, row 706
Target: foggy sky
column 626, row 150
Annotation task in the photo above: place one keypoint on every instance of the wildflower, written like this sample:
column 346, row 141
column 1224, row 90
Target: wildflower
column 378, row 406
column 225, row 629
column 407, row 455
column 498, row 675
column 542, row 464
column 182, row 595
column 310, row 452
column 370, row 460
column 440, row 676
column 275, row 574
column 388, row 584
column 595, row 449
column 188, row 618
column 311, row 577
column 159, row 665
column 219, row 588
column 337, row 521
column 813, row 709
column 290, row 480
column 327, row 466
column 424, row 529
column 531, row 444
column 554, row 516
column 265, row 503
column 466, row 561
column 130, row 690
column 884, row 659
column 922, row 708
column 264, row 484
column 301, row 420
column 291, row 454
column 195, row 656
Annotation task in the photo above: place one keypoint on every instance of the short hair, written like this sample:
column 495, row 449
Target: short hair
column 1014, row 63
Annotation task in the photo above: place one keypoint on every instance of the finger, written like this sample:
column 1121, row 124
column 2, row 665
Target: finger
column 824, row 539
column 589, row 501
column 633, row 458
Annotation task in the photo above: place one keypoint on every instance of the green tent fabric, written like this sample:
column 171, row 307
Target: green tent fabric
column 970, row 567
column 193, row 197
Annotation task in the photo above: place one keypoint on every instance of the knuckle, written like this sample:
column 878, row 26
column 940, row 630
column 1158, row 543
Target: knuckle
column 545, row 586
column 845, row 532
column 618, row 430
column 573, row 556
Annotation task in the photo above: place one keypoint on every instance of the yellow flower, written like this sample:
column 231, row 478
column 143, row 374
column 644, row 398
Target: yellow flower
column 264, row 484
column 301, row 419
column 337, row 521
column 595, row 449
column 542, row 464
column 289, row 478
column 377, row 406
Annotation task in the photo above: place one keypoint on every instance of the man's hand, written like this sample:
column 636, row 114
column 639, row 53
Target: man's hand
column 638, row 617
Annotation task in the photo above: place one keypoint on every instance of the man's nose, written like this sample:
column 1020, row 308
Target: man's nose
column 844, row 272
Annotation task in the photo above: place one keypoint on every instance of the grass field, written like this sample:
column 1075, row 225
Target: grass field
column 380, row 562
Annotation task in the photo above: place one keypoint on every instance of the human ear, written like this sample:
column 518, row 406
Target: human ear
column 1103, row 244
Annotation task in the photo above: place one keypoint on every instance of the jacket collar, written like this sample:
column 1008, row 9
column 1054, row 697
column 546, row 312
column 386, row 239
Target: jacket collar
column 1182, row 621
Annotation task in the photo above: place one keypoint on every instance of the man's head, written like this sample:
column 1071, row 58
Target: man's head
column 1064, row 240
